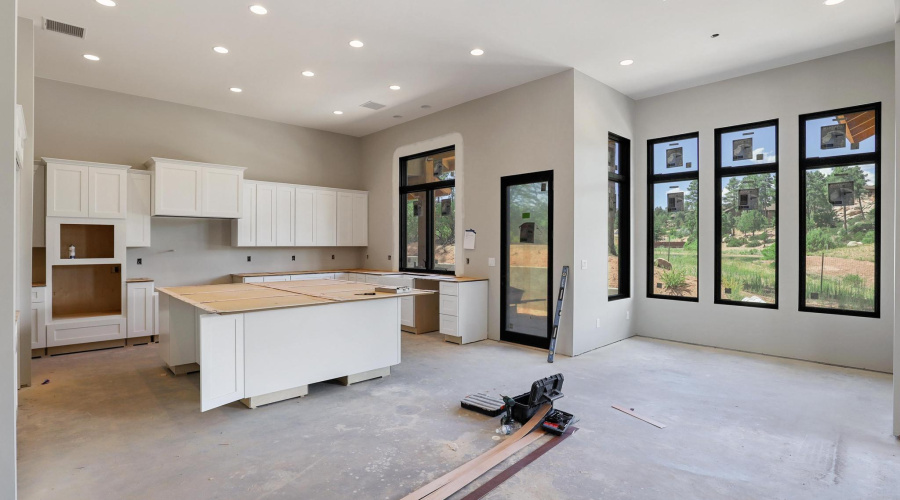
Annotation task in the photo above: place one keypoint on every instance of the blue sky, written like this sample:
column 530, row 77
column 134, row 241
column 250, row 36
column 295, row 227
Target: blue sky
column 814, row 141
column 689, row 150
column 763, row 144
column 868, row 169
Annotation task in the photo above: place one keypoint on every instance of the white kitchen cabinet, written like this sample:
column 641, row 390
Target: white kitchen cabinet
column 344, row 219
column 266, row 210
column 137, row 226
column 243, row 230
column 326, row 218
column 141, row 313
column 221, row 358
column 191, row 189
column 314, row 276
column 38, row 318
column 285, row 197
column 275, row 279
column 360, row 219
column 463, row 311
column 83, row 189
column 85, row 330
column 305, row 217
column 408, row 312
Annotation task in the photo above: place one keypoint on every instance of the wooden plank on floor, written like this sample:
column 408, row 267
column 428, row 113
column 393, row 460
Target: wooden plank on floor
column 635, row 415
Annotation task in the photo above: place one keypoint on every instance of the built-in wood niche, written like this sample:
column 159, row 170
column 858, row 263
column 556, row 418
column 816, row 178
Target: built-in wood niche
column 81, row 291
column 92, row 241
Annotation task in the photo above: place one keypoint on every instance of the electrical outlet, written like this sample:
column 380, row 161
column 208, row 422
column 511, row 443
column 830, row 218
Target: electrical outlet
column 492, row 262
column 584, row 264
column 248, row 258
column 115, row 269
column 140, row 262
column 598, row 322
column 293, row 257
column 389, row 257
column 332, row 256
column 467, row 260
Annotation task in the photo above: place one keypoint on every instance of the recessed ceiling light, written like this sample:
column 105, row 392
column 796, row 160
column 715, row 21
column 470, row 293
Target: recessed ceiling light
column 91, row 57
column 338, row 112
column 394, row 87
column 833, row 2
column 107, row 3
column 627, row 62
column 236, row 90
column 221, row 50
column 477, row 52
column 258, row 9
column 356, row 44
column 308, row 73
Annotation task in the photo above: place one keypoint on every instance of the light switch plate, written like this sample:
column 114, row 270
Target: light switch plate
column 584, row 264
column 492, row 262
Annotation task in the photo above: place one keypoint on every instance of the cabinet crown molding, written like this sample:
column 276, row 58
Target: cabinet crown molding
column 154, row 160
column 59, row 161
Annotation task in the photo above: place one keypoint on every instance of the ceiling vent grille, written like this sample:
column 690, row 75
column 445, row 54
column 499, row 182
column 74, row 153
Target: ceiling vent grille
column 65, row 29
column 372, row 105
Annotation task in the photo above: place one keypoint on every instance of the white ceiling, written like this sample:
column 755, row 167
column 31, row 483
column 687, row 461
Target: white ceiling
column 163, row 49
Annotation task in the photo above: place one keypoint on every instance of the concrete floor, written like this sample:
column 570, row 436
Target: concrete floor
column 114, row 425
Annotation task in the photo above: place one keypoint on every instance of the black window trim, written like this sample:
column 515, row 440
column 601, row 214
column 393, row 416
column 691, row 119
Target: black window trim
column 623, row 179
column 652, row 180
column 722, row 172
column 428, row 189
column 807, row 164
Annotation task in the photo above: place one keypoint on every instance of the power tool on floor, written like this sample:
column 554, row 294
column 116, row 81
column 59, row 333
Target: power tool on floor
column 522, row 407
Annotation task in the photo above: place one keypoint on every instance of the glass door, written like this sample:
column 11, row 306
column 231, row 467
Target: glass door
column 527, row 259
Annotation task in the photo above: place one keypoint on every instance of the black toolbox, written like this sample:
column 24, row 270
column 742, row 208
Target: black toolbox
column 545, row 390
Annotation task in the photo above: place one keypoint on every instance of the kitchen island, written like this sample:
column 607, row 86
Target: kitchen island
column 263, row 343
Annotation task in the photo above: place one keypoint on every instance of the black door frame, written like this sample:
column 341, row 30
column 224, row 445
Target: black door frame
column 505, row 183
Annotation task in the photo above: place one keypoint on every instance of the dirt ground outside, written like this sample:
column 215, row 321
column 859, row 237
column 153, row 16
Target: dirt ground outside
column 836, row 267
column 689, row 290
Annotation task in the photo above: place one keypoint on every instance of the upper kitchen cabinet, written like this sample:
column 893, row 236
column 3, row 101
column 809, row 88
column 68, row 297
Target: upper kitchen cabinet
column 84, row 189
column 191, row 189
column 137, row 227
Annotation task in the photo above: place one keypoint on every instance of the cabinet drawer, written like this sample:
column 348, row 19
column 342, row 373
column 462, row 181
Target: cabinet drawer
column 37, row 295
column 273, row 279
column 450, row 305
column 449, row 288
column 449, row 325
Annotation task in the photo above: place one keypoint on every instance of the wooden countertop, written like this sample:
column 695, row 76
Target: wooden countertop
column 248, row 297
column 435, row 277
column 139, row 280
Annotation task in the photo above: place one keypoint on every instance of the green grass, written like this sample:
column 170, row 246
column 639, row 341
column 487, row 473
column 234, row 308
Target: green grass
column 848, row 293
column 747, row 273
column 681, row 259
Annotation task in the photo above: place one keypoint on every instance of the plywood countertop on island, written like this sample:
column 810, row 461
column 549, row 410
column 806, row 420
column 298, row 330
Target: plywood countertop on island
column 435, row 277
column 249, row 297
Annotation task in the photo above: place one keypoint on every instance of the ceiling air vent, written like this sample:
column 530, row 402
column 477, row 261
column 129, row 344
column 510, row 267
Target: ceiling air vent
column 372, row 105
column 65, row 29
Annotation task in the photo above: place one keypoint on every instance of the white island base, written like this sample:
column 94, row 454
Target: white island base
column 264, row 356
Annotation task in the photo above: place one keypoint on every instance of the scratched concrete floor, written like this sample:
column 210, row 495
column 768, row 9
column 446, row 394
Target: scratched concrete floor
column 114, row 425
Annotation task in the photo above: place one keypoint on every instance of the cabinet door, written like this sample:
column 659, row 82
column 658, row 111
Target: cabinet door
column 176, row 190
column 344, row 219
column 408, row 311
column 284, row 216
column 360, row 219
column 140, row 310
column 243, row 230
column 38, row 326
column 305, row 218
column 221, row 359
column 326, row 218
column 137, row 226
column 67, row 190
column 222, row 190
column 265, row 215
column 107, row 193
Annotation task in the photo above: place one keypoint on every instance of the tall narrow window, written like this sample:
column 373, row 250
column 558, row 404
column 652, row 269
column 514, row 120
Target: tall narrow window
column 840, row 208
column 428, row 211
column 619, row 218
column 673, row 197
column 747, row 215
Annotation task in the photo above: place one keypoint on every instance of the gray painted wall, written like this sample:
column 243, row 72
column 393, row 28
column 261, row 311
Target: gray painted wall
column 529, row 128
column 8, row 400
column 857, row 77
column 83, row 123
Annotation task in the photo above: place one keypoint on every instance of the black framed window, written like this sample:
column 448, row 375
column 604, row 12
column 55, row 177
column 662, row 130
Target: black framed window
column 747, row 215
column 840, row 208
column 428, row 211
column 673, row 217
column 619, row 218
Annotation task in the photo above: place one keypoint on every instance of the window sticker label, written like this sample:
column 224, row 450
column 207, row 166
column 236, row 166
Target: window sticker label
column 742, row 149
column 674, row 157
column 834, row 136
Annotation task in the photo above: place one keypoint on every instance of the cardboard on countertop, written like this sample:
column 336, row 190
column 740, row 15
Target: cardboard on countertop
column 139, row 280
column 190, row 290
column 260, row 293
column 352, row 295
column 249, row 305
column 342, row 286
column 423, row 275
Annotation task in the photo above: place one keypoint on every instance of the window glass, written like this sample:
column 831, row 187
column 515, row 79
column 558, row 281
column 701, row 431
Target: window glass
column 613, row 156
column 432, row 168
column 748, row 247
column 675, row 233
column 614, row 221
column 742, row 148
column 841, row 231
column 445, row 229
column 676, row 156
column 841, row 134
column 416, row 230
